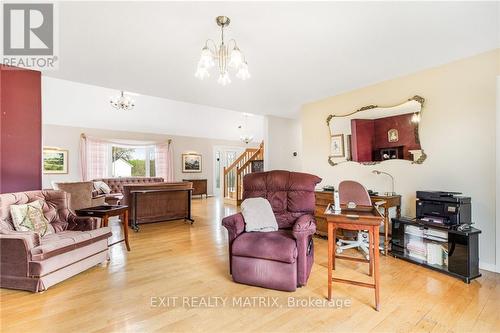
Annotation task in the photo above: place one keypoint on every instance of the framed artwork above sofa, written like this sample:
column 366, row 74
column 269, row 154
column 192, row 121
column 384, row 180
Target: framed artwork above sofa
column 55, row 160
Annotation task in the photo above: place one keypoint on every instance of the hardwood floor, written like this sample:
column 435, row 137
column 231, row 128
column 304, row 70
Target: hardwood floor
column 175, row 259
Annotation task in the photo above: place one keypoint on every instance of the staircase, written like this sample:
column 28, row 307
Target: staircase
column 233, row 174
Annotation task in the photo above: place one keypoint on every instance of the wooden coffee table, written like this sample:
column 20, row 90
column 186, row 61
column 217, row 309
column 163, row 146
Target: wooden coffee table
column 105, row 212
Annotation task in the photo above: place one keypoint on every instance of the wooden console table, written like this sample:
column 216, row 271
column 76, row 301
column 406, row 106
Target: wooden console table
column 360, row 218
column 104, row 212
column 389, row 201
column 135, row 194
column 199, row 186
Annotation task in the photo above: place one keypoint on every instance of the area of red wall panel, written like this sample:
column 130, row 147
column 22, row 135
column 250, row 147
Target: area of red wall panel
column 406, row 131
column 20, row 130
column 362, row 134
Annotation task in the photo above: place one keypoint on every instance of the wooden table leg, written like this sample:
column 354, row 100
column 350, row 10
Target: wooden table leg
column 386, row 231
column 125, row 228
column 376, row 271
column 370, row 251
column 334, row 247
column 331, row 241
column 105, row 220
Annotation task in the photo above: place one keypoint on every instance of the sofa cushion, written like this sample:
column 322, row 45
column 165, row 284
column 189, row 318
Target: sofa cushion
column 101, row 187
column 29, row 217
column 64, row 241
column 275, row 245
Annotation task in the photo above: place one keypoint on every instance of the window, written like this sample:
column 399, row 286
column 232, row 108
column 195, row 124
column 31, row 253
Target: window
column 135, row 162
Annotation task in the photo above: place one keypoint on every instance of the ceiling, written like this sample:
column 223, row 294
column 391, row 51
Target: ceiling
column 297, row 51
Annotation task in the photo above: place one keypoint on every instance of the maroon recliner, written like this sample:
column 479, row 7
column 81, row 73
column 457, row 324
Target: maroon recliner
column 280, row 259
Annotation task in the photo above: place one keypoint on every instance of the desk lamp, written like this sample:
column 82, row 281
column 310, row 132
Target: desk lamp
column 377, row 172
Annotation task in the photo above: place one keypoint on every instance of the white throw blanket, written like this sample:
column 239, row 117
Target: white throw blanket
column 258, row 215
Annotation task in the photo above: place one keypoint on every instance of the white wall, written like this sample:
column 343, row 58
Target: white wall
column 67, row 137
column 70, row 103
column 457, row 133
column 282, row 138
column 498, row 175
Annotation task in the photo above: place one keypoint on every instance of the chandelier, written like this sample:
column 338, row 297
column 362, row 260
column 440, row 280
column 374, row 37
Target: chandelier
column 245, row 136
column 122, row 102
column 226, row 56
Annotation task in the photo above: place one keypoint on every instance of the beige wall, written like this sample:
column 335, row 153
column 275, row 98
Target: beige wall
column 457, row 133
column 66, row 137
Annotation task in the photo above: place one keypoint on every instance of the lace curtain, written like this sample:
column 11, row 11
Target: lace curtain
column 164, row 162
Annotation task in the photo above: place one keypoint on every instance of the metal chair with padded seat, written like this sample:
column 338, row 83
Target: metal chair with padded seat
column 352, row 193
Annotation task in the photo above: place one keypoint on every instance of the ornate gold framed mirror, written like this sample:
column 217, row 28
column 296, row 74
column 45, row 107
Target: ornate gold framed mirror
column 374, row 134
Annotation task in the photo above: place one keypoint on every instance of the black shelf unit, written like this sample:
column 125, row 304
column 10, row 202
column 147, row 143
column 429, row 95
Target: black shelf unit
column 462, row 260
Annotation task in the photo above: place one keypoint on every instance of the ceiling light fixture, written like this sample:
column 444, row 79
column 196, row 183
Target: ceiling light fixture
column 245, row 136
column 122, row 102
column 226, row 56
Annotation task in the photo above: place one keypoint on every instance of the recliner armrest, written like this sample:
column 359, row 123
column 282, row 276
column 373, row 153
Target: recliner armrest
column 235, row 225
column 81, row 223
column 305, row 225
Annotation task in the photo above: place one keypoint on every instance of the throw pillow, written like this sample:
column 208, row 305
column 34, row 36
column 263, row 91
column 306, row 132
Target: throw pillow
column 29, row 217
column 258, row 215
column 102, row 187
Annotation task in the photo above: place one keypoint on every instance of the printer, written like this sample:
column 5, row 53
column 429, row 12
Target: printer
column 448, row 209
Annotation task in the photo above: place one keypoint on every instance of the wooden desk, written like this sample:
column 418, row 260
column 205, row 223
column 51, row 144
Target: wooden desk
column 390, row 201
column 104, row 212
column 323, row 199
column 361, row 218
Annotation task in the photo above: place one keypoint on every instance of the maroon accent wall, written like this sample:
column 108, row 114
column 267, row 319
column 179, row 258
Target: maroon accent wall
column 20, row 130
column 369, row 135
column 406, row 131
column 362, row 134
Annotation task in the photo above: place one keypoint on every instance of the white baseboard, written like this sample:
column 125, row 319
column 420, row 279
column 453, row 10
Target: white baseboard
column 489, row 267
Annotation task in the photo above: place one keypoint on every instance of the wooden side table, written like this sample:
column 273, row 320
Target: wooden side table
column 105, row 212
column 389, row 202
column 360, row 218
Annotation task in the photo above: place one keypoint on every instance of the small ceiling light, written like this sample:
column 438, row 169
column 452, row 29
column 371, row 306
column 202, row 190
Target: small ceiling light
column 122, row 102
column 245, row 136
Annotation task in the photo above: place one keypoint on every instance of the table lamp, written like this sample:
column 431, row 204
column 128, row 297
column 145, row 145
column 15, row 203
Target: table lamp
column 377, row 172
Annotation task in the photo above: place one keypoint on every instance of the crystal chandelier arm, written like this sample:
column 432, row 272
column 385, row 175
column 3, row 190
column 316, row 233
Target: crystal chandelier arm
column 235, row 45
column 212, row 47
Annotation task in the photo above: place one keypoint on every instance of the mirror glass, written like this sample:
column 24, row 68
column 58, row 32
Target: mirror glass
column 374, row 134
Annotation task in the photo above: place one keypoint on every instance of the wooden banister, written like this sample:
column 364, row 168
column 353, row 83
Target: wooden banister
column 234, row 173
column 239, row 159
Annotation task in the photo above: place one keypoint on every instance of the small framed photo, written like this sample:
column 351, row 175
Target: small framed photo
column 55, row 160
column 191, row 162
column 393, row 135
column 337, row 145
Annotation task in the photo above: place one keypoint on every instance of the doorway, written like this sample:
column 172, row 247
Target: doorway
column 223, row 157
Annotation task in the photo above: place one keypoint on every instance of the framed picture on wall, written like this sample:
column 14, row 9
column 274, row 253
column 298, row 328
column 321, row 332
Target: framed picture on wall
column 55, row 160
column 337, row 145
column 191, row 163
column 393, row 135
